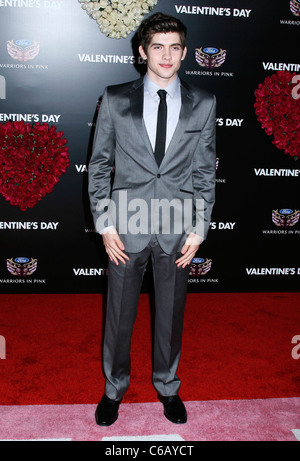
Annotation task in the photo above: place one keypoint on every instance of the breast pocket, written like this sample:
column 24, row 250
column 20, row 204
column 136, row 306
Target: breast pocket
column 193, row 131
column 114, row 189
column 185, row 191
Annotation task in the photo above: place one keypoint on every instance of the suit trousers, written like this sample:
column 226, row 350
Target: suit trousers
column 124, row 286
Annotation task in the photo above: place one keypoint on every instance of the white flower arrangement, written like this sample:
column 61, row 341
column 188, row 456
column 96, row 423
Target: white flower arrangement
column 118, row 18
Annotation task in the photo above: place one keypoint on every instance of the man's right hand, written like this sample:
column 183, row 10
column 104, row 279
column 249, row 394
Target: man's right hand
column 114, row 247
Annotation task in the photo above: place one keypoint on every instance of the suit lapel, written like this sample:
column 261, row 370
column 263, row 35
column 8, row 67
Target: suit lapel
column 137, row 108
column 184, row 116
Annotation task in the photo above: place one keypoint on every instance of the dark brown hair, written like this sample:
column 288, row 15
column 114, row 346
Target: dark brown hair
column 160, row 23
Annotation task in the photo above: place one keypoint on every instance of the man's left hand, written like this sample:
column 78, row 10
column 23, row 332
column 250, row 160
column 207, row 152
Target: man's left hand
column 189, row 250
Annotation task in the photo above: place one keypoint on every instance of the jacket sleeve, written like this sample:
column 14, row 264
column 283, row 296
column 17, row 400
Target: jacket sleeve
column 100, row 167
column 204, row 174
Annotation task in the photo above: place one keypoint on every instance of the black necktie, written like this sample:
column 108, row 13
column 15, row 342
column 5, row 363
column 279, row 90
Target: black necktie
column 161, row 129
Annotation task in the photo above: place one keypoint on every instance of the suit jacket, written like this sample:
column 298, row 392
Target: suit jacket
column 141, row 198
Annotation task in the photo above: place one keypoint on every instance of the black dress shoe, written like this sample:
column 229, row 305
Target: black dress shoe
column 107, row 411
column 174, row 409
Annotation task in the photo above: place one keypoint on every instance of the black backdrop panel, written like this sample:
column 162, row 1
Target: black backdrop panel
column 61, row 85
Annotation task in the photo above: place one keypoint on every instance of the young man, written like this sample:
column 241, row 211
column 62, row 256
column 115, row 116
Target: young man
column 162, row 147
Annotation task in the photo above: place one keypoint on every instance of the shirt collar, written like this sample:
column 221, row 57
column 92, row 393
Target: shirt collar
column 172, row 89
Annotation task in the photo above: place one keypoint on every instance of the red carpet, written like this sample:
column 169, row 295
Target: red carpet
column 213, row 420
column 236, row 346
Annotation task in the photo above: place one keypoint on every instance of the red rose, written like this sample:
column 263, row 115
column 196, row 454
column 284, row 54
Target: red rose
column 279, row 113
column 33, row 159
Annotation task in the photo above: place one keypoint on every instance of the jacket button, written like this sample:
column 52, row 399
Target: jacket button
column 158, row 176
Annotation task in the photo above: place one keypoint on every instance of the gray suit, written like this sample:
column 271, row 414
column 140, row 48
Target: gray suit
column 140, row 188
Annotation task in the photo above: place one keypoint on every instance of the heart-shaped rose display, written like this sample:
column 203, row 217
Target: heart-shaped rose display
column 32, row 160
column 278, row 111
column 117, row 18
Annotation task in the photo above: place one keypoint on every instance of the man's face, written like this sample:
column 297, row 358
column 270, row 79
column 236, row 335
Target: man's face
column 164, row 56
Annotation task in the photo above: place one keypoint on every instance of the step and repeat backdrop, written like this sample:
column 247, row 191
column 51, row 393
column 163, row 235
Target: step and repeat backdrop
column 56, row 58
